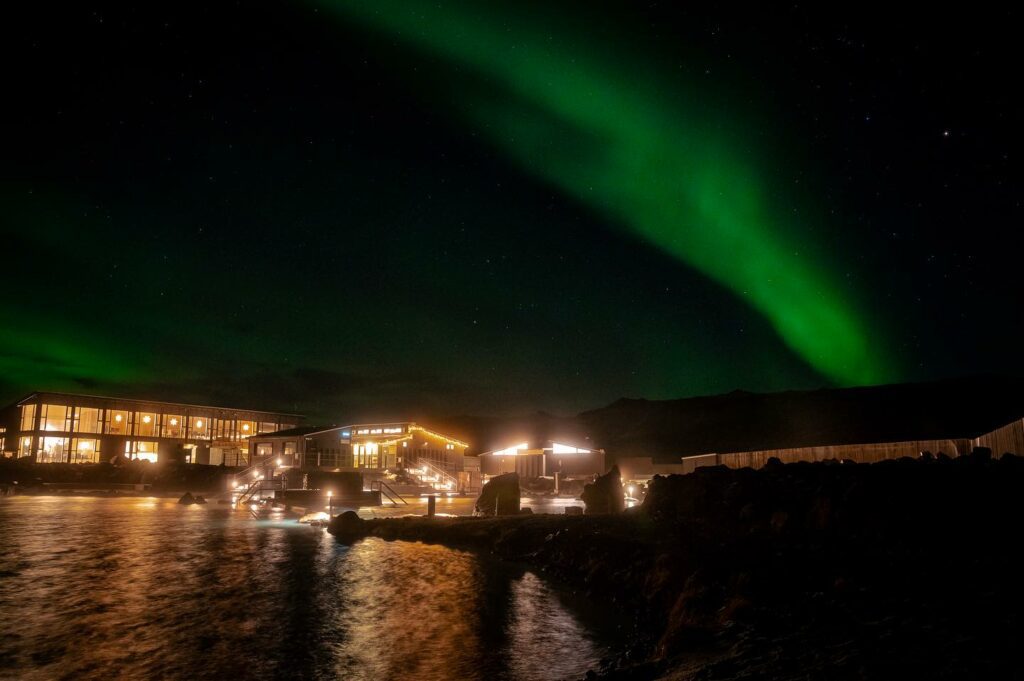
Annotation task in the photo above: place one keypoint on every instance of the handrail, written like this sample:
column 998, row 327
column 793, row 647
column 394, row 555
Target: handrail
column 381, row 485
column 254, row 466
column 442, row 475
column 253, row 487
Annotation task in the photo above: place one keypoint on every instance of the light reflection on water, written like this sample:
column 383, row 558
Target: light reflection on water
column 142, row 588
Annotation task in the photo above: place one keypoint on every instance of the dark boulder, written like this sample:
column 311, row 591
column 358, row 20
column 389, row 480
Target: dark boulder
column 187, row 499
column 347, row 527
column 199, row 499
column 500, row 496
column 605, row 494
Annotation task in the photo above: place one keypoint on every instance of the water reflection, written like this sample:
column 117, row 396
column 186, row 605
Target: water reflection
column 133, row 588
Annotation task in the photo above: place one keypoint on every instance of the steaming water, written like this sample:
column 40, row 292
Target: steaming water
column 144, row 588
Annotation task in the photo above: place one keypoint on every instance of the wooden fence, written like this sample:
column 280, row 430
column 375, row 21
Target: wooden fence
column 862, row 453
column 1009, row 438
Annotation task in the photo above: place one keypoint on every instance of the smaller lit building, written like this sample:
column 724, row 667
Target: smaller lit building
column 368, row 446
column 288, row 446
column 544, row 459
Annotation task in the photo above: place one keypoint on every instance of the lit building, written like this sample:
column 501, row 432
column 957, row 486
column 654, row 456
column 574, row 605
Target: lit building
column 543, row 459
column 375, row 446
column 68, row 428
column 288, row 445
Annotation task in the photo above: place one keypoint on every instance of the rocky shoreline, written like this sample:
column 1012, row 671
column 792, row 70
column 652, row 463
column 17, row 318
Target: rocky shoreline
column 828, row 570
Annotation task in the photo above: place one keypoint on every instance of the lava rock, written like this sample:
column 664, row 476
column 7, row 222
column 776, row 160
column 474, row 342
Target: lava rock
column 500, row 496
column 347, row 527
column 187, row 499
column 605, row 494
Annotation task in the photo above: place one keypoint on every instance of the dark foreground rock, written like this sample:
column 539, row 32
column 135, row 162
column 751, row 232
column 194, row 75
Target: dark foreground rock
column 605, row 494
column 187, row 499
column 500, row 496
column 347, row 527
column 902, row 569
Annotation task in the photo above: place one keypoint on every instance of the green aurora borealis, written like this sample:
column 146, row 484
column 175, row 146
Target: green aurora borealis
column 683, row 181
column 377, row 210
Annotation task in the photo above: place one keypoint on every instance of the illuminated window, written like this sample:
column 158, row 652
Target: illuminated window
column 141, row 450
column 117, row 421
column 54, row 417
column 268, row 427
column 264, row 449
column 28, row 417
column 365, row 456
column 52, row 450
column 85, row 450
column 87, row 420
column 172, row 425
column 25, row 446
column 145, row 424
column 199, row 427
column 246, row 429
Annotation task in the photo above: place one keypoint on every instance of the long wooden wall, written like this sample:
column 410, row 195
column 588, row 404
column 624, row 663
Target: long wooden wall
column 866, row 453
column 1009, row 438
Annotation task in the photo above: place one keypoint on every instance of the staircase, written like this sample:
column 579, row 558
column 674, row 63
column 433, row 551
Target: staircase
column 434, row 477
column 251, row 484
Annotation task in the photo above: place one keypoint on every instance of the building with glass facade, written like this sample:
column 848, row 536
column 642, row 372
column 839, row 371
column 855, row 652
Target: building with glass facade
column 69, row 428
column 372, row 446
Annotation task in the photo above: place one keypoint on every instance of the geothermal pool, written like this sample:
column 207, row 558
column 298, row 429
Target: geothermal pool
column 144, row 588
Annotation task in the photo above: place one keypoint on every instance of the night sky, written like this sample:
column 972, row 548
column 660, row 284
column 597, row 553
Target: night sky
column 398, row 209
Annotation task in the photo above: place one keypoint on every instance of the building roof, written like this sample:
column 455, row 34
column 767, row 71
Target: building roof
column 535, row 444
column 293, row 432
column 156, row 405
column 409, row 426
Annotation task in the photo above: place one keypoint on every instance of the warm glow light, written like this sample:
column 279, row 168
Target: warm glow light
column 245, row 427
column 330, row 493
column 566, row 449
column 279, row 462
column 199, row 423
column 117, row 417
column 174, row 422
column 512, row 451
column 146, row 419
column 85, row 445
